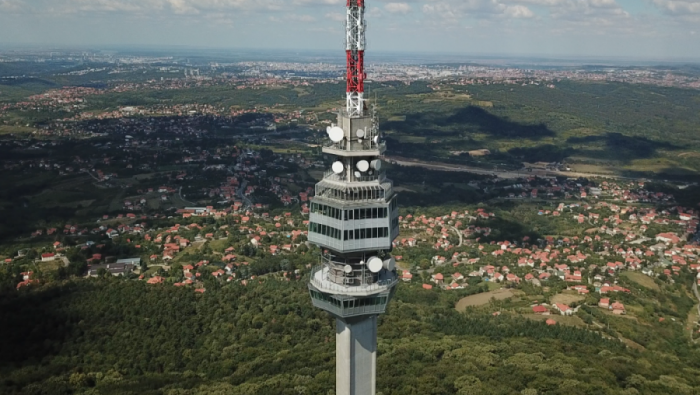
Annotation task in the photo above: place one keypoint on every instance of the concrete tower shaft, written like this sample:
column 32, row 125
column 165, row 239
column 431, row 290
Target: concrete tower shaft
column 354, row 219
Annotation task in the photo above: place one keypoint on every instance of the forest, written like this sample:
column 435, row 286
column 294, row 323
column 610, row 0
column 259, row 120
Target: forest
column 113, row 336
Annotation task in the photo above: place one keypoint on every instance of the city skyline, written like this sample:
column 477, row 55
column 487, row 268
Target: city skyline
column 646, row 29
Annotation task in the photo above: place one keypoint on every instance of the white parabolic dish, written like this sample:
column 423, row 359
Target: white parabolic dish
column 360, row 133
column 363, row 166
column 347, row 269
column 336, row 134
column 390, row 264
column 338, row 167
column 375, row 264
column 377, row 164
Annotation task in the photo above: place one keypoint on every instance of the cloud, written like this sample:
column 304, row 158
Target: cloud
column 460, row 9
column 518, row 11
column 294, row 18
column 335, row 16
column 397, row 8
column 679, row 7
column 10, row 6
column 158, row 7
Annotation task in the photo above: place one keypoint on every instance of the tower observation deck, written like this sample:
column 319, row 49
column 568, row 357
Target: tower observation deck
column 354, row 220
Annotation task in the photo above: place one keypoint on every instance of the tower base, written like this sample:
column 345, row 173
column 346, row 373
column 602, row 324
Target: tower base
column 356, row 355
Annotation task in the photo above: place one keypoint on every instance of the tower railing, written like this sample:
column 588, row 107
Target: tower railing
column 365, row 145
column 322, row 282
column 331, row 176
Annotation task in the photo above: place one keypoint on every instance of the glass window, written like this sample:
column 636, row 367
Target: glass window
column 374, row 233
column 357, row 214
column 362, row 234
column 374, row 213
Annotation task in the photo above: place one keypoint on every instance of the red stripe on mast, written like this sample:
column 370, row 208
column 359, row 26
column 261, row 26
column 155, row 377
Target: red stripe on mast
column 356, row 71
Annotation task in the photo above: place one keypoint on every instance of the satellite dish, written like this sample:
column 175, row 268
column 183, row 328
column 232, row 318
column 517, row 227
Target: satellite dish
column 363, row 166
column 336, row 134
column 390, row 264
column 358, row 174
column 347, row 269
column 360, row 134
column 376, row 139
column 376, row 164
column 375, row 264
column 328, row 130
column 338, row 167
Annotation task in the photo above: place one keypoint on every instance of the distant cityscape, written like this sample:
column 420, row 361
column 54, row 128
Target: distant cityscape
column 477, row 72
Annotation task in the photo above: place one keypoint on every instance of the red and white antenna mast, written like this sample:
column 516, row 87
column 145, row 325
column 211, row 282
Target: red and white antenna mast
column 355, row 47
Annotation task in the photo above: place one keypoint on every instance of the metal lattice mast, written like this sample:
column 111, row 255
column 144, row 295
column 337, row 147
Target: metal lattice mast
column 355, row 50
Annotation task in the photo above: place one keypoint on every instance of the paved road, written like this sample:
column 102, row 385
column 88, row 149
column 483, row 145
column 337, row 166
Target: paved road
column 183, row 199
column 697, row 295
column 240, row 193
column 461, row 238
column 500, row 174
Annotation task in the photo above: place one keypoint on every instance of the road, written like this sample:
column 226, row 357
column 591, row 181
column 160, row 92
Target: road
column 183, row 199
column 240, row 193
column 461, row 238
column 697, row 295
column 501, row 174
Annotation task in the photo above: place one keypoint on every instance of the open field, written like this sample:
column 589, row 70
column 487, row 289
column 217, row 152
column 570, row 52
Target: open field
column 194, row 247
column 567, row 298
column 560, row 319
column 484, row 298
column 641, row 279
column 8, row 129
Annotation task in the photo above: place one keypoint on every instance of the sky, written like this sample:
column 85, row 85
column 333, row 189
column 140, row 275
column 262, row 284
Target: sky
column 642, row 29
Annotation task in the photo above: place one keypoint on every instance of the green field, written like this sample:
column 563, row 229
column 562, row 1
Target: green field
column 641, row 279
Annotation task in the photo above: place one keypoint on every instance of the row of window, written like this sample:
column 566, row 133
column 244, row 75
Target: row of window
column 350, row 304
column 349, row 215
column 325, row 230
column 353, row 234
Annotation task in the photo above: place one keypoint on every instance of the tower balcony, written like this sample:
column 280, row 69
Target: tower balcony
column 329, row 175
column 323, row 278
column 346, row 301
column 355, row 148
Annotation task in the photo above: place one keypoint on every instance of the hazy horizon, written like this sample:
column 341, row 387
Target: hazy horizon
column 619, row 29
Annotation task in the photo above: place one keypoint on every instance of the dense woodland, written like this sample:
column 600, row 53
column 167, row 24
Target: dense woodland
column 113, row 336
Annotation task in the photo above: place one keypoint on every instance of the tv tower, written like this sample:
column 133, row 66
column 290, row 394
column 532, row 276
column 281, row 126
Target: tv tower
column 354, row 220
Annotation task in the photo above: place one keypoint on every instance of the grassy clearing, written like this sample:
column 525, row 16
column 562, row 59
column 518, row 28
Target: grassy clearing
column 10, row 129
column 560, row 319
column 566, row 298
column 153, row 203
column 484, row 298
column 219, row 245
column 641, row 279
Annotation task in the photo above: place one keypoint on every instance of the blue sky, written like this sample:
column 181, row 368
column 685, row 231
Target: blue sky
column 645, row 29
